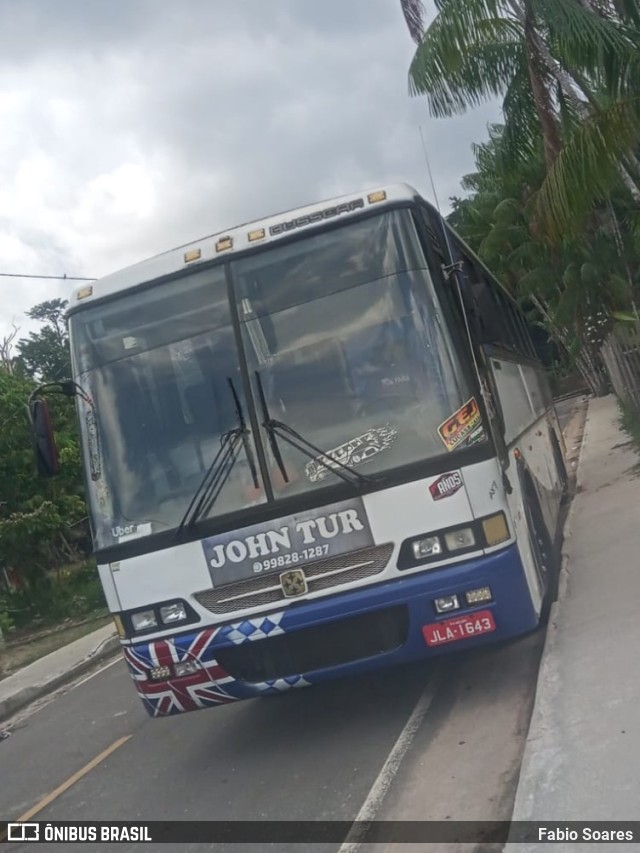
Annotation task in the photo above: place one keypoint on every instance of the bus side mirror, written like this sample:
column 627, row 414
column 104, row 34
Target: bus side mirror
column 44, row 442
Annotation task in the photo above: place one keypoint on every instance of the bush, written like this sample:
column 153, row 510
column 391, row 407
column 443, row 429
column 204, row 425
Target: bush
column 630, row 422
column 6, row 622
column 72, row 593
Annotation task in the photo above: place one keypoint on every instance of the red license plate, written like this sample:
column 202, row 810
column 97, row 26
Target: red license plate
column 459, row 628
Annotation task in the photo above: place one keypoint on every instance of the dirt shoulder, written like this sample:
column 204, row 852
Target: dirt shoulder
column 21, row 650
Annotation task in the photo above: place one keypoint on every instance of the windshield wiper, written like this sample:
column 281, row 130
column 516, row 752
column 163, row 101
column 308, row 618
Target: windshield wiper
column 278, row 429
column 244, row 434
column 220, row 468
column 267, row 424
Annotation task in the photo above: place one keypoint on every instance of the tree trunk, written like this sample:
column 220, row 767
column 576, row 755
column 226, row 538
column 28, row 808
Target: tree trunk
column 541, row 94
column 570, row 88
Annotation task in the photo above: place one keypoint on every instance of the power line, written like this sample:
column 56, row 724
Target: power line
column 59, row 277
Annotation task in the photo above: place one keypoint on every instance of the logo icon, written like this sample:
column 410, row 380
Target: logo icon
column 293, row 583
column 446, row 485
column 23, row 832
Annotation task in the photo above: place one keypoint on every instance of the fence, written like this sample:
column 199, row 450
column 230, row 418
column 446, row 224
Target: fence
column 621, row 355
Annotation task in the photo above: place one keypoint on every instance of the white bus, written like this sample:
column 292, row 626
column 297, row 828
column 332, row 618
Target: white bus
column 316, row 445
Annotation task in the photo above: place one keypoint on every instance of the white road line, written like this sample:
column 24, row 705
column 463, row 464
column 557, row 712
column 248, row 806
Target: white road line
column 75, row 684
column 39, row 704
column 391, row 766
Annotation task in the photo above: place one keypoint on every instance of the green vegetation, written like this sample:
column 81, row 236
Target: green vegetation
column 553, row 207
column 43, row 524
column 630, row 423
column 73, row 593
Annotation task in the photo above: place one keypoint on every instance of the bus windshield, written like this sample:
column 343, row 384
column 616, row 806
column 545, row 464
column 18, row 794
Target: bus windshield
column 341, row 330
column 345, row 334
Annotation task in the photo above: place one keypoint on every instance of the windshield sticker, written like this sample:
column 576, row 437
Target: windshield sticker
column 353, row 452
column 287, row 543
column 446, row 485
column 460, row 425
column 477, row 436
column 131, row 531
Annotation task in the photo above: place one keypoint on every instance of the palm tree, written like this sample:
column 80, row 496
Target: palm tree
column 567, row 70
column 574, row 286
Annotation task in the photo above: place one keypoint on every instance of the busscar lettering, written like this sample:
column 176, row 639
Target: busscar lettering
column 314, row 218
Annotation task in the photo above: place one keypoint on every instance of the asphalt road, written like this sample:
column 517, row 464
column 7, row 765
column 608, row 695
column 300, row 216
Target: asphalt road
column 454, row 731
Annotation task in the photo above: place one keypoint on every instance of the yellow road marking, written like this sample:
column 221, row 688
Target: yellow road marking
column 49, row 798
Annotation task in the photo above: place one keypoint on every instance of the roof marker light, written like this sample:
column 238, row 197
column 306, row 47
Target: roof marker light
column 84, row 292
column 224, row 243
column 259, row 234
column 192, row 255
column 377, row 196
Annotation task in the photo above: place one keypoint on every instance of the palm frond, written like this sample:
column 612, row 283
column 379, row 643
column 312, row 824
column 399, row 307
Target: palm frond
column 522, row 131
column 415, row 15
column 586, row 169
column 628, row 11
column 590, row 44
column 458, row 66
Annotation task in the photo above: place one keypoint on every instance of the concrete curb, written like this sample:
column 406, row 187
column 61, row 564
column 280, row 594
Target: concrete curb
column 32, row 692
column 548, row 678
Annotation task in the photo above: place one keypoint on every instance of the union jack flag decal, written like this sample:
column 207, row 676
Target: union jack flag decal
column 205, row 687
column 210, row 684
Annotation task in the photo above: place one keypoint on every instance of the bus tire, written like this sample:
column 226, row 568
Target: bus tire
column 546, row 561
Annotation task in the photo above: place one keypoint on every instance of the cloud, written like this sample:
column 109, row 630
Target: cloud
column 131, row 128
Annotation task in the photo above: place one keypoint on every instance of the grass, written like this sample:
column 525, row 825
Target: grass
column 57, row 610
column 630, row 423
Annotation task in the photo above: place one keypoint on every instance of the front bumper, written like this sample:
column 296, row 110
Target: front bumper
column 217, row 683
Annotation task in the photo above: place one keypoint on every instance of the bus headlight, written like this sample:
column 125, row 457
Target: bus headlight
column 187, row 667
column 427, row 547
column 143, row 620
column 157, row 617
column 174, row 612
column 457, row 539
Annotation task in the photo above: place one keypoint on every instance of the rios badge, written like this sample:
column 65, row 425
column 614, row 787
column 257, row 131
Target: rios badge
column 446, row 485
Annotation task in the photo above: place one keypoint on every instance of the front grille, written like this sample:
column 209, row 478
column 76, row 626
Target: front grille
column 330, row 644
column 322, row 574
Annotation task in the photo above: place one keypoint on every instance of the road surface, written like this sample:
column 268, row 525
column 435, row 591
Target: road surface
column 427, row 742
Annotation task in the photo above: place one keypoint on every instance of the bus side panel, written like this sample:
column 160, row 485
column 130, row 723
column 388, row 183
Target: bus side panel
column 524, row 402
column 519, row 521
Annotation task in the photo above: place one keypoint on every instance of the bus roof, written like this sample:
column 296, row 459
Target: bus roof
column 250, row 235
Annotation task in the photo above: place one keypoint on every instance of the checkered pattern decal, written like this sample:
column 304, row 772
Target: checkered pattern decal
column 210, row 685
column 253, row 629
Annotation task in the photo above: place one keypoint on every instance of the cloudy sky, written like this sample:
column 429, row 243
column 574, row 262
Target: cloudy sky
column 128, row 127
